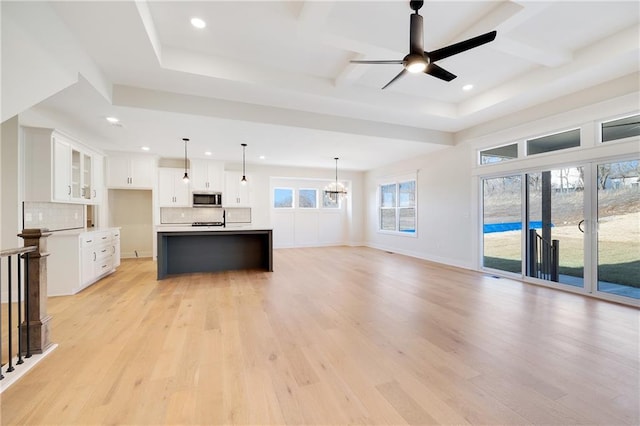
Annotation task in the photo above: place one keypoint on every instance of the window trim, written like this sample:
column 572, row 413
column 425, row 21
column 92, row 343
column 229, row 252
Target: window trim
column 293, row 198
column 481, row 150
column 397, row 181
column 599, row 128
column 298, row 206
column 544, row 135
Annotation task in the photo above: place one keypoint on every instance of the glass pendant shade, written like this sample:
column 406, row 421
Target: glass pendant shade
column 335, row 190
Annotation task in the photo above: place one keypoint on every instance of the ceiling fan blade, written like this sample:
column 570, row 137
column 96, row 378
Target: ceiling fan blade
column 395, row 78
column 460, row 47
column 439, row 72
column 393, row 61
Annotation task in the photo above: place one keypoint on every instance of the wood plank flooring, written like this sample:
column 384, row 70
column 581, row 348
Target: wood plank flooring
column 334, row 336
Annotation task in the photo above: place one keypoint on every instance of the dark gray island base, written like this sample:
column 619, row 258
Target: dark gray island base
column 181, row 252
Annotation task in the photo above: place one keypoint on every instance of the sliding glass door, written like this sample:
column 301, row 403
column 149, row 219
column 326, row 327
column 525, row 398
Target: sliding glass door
column 572, row 227
column 618, row 245
column 555, row 231
column 502, row 223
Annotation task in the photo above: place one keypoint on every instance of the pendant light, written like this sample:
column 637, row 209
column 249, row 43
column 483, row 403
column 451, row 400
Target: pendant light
column 243, row 181
column 185, row 178
column 335, row 190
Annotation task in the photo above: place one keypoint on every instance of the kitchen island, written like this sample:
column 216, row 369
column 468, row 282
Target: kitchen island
column 186, row 249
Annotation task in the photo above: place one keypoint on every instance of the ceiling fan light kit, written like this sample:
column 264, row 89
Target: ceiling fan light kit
column 420, row 61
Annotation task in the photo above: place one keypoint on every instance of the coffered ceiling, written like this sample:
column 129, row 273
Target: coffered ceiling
column 276, row 74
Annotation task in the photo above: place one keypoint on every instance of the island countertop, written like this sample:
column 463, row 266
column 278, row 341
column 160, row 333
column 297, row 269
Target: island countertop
column 188, row 228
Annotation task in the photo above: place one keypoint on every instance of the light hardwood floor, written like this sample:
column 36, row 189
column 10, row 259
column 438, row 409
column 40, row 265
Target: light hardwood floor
column 333, row 336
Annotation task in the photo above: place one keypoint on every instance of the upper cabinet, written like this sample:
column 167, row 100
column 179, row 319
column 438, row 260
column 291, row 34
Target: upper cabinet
column 133, row 172
column 207, row 175
column 236, row 193
column 172, row 190
column 57, row 168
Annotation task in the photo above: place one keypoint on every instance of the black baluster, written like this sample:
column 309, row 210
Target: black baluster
column 27, row 312
column 20, row 361
column 9, row 313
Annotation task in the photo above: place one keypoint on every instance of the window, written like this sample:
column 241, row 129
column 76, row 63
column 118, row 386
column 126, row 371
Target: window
column 308, row 198
column 398, row 207
column 283, row 198
column 555, row 142
column 621, row 128
column 499, row 154
column 329, row 202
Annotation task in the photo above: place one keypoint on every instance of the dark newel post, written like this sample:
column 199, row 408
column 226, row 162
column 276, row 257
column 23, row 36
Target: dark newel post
column 39, row 319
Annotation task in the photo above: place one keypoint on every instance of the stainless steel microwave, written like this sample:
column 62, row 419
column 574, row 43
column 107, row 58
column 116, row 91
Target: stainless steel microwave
column 207, row 199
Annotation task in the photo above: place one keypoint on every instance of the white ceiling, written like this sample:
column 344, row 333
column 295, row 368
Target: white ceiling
column 276, row 75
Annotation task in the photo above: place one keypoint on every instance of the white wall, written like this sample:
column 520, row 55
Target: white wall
column 448, row 180
column 10, row 205
column 310, row 227
column 261, row 195
column 40, row 57
column 132, row 211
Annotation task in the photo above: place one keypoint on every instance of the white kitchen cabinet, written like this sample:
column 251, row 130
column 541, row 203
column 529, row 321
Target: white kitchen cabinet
column 172, row 190
column 61, row 169
column 79, row 259
column 235, row 193
column 57, row 168
column 207, row 175
column 132, row 172
column 115, row 245
column 97, row 179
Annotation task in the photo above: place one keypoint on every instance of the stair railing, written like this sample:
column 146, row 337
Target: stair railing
column 544, row 257
column 23, row 295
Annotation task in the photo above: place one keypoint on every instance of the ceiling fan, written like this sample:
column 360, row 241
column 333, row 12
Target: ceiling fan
column 420, row 61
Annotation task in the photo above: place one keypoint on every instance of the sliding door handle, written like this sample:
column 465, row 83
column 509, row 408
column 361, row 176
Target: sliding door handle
column 580, row 226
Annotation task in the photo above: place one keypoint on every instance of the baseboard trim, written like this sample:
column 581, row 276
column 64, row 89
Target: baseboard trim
column 22, row 369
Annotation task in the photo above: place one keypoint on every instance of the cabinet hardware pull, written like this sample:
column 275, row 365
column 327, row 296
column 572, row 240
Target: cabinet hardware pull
column 104, row 238
column 104, row 251
column 94, row 193
column 94, row 256
column 69, row 189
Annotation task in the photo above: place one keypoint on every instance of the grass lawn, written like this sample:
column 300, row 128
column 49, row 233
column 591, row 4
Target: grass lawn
column 618, row 250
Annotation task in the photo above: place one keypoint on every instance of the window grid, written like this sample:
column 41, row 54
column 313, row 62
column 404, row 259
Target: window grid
column 397, row 209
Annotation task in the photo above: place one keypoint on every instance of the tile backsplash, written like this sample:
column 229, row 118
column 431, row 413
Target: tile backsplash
column 180, row 215
column 54, row 216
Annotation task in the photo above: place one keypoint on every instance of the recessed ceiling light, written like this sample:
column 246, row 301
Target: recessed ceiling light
column 145, row 148
column 467, row 87
column 207, row 153
column 262, row 157
column 198, row 23
column 113, row 120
